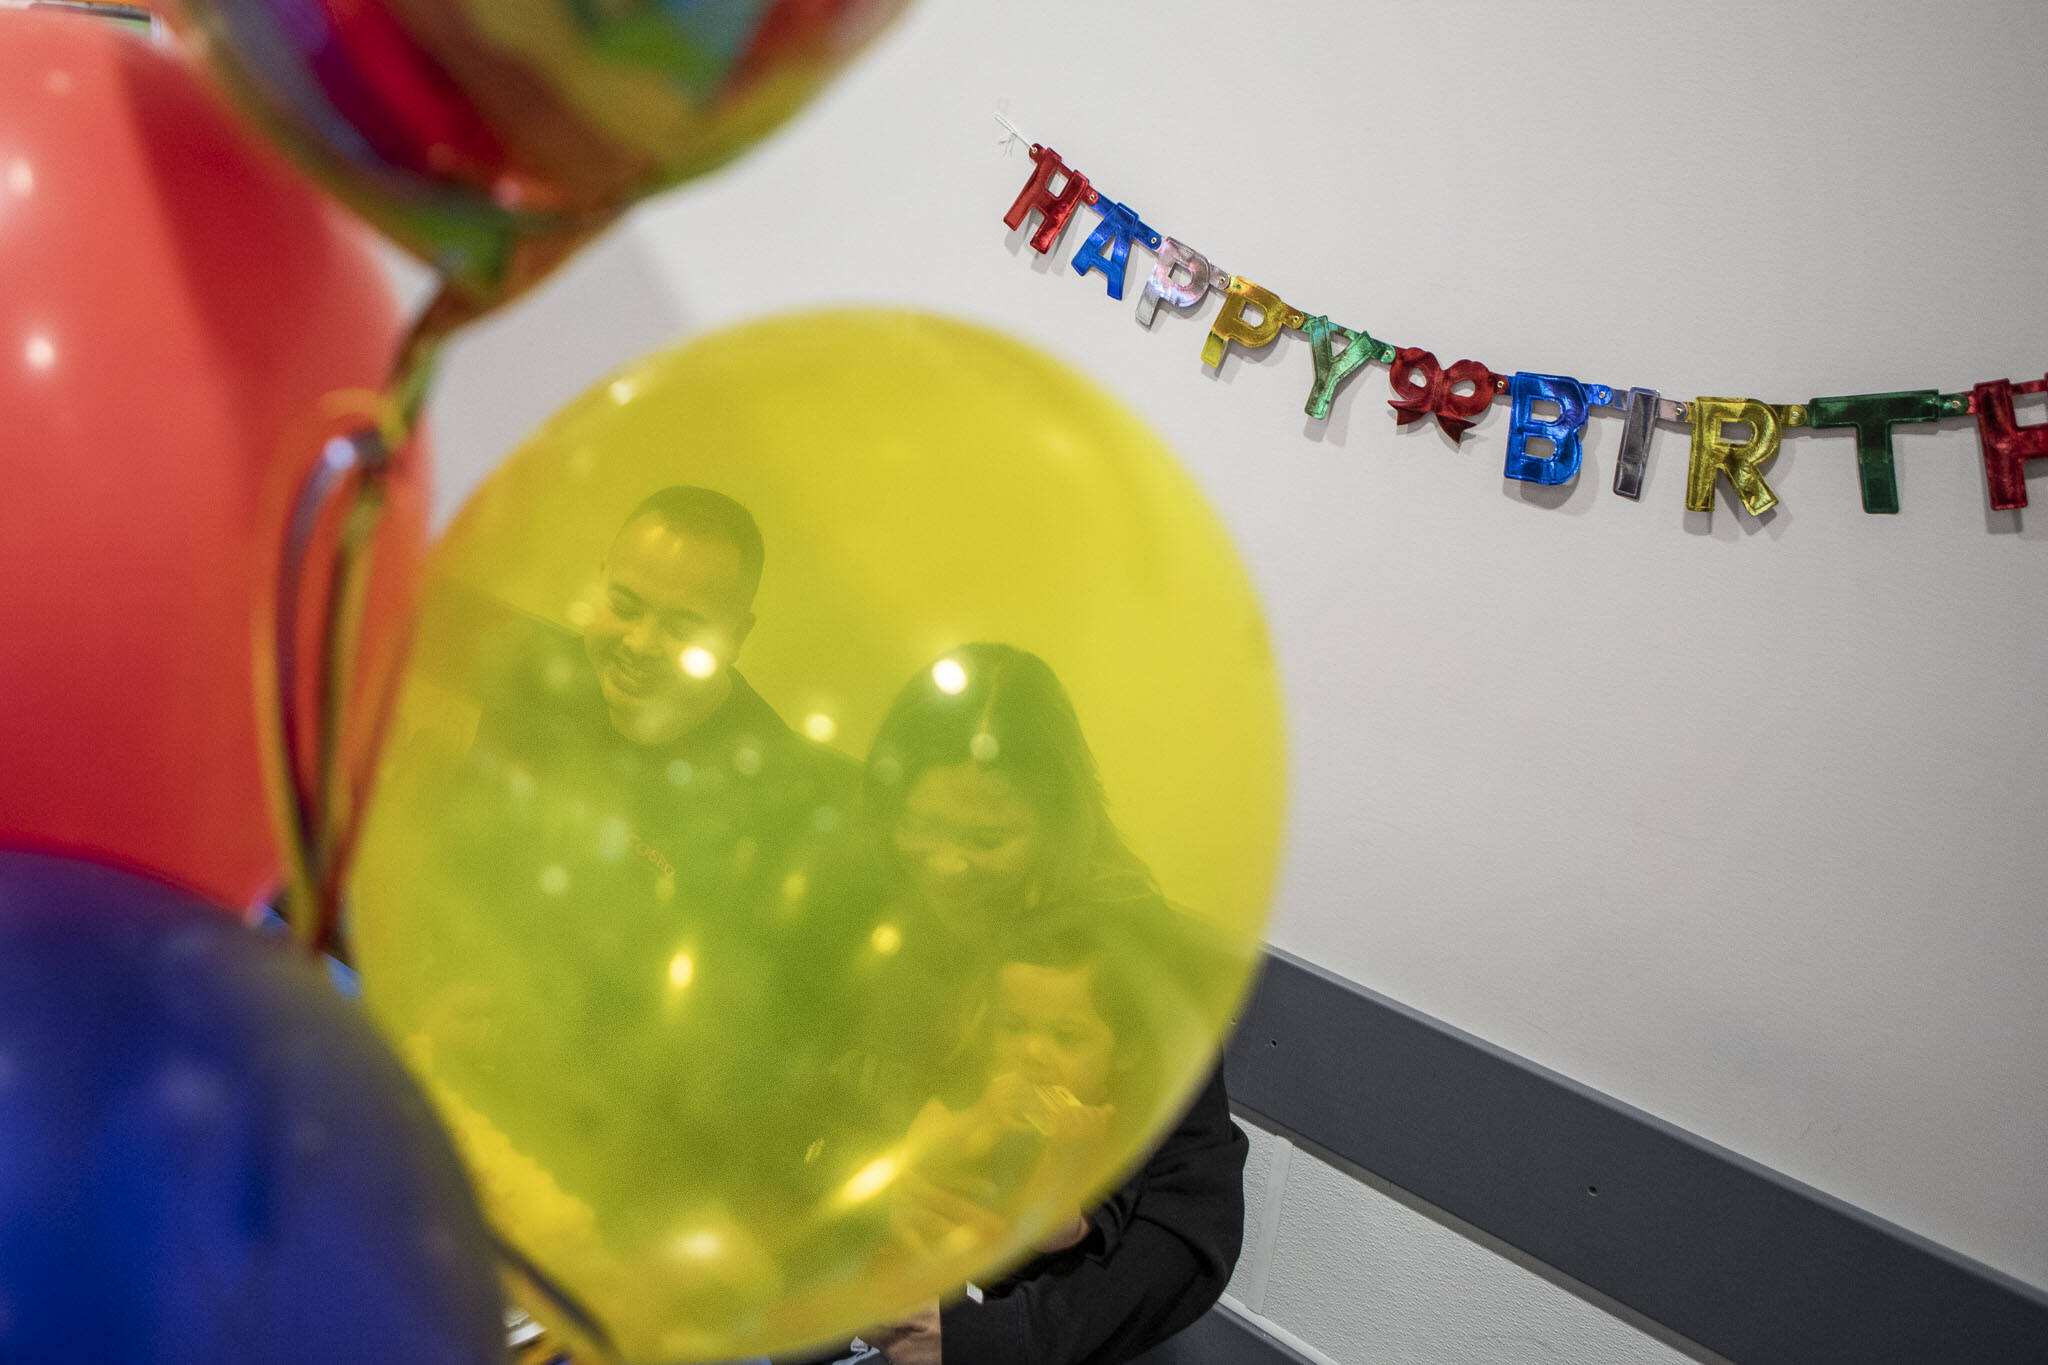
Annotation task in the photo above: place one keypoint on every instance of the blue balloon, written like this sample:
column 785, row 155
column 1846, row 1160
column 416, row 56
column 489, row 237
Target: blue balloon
column 205, row 1153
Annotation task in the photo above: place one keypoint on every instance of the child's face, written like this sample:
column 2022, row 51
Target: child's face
column 1048, row 1031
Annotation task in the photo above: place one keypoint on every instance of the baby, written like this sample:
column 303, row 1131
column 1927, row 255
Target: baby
column 1058, row 1046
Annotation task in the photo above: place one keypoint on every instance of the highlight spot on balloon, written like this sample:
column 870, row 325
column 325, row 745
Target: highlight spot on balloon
column 40, row 353
column 821, row 727
column 699, row 662
column 886, row 939
column 621, row 391
column 682, row 970
column 705, row 1244
column 21, row 178
column 746, row 761
column 984, row 748
column 554, row 879
column 871, row 1179
column 949, row 677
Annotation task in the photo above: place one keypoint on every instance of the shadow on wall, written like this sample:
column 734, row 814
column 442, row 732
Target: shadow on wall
column 507, row 374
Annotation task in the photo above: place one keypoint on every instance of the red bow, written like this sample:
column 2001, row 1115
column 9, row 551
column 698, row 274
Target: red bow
column 1426, row 387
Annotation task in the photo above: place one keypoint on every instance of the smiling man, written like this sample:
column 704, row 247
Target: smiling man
column 670, row 784
column 675, row 605
column 648, row 813
column 713, row 783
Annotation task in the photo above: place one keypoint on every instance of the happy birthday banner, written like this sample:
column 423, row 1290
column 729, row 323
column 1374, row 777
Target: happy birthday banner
column 1456, row 395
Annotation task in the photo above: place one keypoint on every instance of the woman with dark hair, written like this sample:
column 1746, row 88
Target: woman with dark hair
column 984, row 826
column 987, row 795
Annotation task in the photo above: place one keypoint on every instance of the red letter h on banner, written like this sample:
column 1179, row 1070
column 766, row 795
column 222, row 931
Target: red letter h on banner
column 1053, row 209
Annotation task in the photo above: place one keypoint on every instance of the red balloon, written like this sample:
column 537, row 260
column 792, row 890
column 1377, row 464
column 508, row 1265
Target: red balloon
column 174, row 305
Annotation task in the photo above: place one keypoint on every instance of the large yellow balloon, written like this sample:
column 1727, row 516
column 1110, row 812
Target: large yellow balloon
column 782, row 959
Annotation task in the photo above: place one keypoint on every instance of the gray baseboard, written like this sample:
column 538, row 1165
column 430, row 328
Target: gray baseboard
column 1222, row 1337
column 1714, row 1248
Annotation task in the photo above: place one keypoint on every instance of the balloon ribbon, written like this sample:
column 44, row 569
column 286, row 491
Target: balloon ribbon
column 320, row 769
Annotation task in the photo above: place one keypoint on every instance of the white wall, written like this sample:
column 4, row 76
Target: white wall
column 1739, row 821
